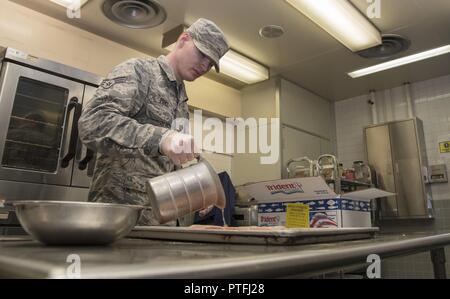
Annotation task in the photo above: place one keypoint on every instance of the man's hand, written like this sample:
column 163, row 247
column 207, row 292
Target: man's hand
column 178, row 147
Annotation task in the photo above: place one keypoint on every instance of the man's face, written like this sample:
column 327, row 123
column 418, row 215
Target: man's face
column 192, row 62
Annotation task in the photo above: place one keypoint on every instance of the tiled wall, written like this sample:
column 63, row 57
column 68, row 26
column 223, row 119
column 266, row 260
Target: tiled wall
column 351, row 117
column 431, row 104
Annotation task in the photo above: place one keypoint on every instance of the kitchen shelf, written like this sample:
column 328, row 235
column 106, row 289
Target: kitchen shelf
column 32, row 144
column 350, row 185
column 39, row 99
column 35, row 121
column 25, row 106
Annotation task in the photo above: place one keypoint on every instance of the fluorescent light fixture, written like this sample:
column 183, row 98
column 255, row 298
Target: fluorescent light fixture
column 242, row 68
column 401, row 61
column 232, row 64
column 341, row 20
column 71, row 4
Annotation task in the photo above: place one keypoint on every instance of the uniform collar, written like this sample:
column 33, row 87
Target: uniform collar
column 183, row 95
column 162, row 60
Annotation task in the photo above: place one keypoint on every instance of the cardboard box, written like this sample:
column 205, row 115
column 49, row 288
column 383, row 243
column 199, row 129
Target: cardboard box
column 327, row 209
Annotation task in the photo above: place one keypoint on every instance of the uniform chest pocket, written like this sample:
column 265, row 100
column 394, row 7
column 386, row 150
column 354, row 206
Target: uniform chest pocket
column 160, row 113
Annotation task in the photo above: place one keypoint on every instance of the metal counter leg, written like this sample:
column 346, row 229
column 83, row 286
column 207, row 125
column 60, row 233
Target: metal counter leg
column 438, row 259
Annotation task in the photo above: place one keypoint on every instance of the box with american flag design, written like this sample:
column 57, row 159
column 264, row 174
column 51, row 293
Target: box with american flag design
column 326, row 208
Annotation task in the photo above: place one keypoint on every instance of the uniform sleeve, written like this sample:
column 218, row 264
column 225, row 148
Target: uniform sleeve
column 106, row 124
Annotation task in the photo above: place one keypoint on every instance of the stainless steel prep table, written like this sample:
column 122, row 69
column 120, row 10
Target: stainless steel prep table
column 135, row 258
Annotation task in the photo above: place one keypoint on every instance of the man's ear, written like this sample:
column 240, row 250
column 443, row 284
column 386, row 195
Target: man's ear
column 184, row 37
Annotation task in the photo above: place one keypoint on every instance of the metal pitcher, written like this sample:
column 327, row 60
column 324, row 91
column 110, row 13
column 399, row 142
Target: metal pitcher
column 176, row 194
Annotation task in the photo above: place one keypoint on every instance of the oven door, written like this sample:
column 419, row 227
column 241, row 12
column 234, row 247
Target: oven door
column 83, row 169
column 37, row 140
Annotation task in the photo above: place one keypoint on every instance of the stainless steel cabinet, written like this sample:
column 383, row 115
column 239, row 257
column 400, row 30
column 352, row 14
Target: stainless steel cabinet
column 396, row 151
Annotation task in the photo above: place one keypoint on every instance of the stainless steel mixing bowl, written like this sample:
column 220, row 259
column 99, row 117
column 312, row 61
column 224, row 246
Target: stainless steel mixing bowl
column 76, row 223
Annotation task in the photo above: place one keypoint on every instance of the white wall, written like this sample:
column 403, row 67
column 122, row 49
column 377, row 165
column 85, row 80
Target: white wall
column 308, row 124
column 431, row 100
column 258, row 101
column 352, row 116
column 305, row 110
column 215, row 152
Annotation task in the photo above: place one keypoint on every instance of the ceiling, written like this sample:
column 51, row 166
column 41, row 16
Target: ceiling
column 305, row 54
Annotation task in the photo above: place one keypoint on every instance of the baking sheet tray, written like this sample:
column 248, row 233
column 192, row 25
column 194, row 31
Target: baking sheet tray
column 272, row 237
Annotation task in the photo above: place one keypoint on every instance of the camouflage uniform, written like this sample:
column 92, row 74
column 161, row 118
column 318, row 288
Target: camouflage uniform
column 130, row 113
column 124, row 122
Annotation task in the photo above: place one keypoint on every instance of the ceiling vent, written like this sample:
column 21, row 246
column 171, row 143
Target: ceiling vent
column 391, row 45
column 136, row 14
column 271, row 31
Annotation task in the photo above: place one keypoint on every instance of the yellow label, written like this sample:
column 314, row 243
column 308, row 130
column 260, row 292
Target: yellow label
column 444, row 147
column 297, row 215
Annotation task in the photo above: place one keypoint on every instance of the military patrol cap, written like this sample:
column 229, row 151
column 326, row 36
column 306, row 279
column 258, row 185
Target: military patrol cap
column 209, row 39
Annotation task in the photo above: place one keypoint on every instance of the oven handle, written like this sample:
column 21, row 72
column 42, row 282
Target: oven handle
column 85, row 161
column 73, row 104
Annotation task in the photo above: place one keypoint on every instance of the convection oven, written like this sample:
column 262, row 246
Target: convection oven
column 41, row 157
